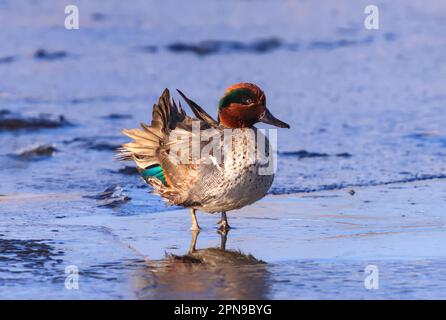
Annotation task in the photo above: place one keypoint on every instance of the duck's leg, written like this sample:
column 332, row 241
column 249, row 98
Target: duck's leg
column 224, row 225
column 195, row 225
column 224, row 237
column 193, row 242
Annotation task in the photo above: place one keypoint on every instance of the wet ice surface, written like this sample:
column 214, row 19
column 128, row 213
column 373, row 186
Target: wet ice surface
column 308, row 246
column 365, row 107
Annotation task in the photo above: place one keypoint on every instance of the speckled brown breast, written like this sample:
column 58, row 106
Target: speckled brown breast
column 234, row 183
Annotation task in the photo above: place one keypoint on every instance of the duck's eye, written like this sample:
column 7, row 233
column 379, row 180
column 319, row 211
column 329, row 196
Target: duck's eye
column 248, row 101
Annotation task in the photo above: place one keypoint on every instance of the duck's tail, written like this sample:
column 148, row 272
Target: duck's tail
column 149, row 141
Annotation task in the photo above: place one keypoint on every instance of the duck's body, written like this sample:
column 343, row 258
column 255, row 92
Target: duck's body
column 211, row 177
column 234, row 183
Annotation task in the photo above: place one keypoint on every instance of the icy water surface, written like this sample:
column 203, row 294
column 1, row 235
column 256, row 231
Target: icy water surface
column 366, row 108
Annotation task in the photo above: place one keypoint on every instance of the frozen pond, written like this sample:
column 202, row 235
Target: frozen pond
column 366, row 109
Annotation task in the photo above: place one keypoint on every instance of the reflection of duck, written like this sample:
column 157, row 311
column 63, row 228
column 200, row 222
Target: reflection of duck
column 211, row 273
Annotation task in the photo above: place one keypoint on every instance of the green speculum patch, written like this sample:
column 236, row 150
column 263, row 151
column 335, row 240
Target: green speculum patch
column 155, row 171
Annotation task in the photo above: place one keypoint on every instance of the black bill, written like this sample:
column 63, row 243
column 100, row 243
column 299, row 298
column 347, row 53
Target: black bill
column 268, row 118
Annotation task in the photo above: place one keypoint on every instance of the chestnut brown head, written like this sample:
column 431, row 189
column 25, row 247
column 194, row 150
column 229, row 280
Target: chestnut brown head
column 243, row 105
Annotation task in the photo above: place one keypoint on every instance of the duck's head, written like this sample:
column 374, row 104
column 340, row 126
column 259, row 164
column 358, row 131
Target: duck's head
column 243, row 105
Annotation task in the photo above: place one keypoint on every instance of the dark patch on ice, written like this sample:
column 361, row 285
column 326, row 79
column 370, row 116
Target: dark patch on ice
column 303, row 154
column 307, row 154
column 106, row 98
column 341, row 43
column 420, row 135
column 321, row 196
column 343, row 155
column 259, row 46
column 42, row 54
column 111, row 197
column 264, row 45
column 76, row 140
column 428, row 137
column 93, row 143
column 127, row 170
column 117, row 116
column 102, row 146
column 28, row 256
column 11, row 121
column 222, row 46
column 37, row 153
column 97, row 16
column 7, row 59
